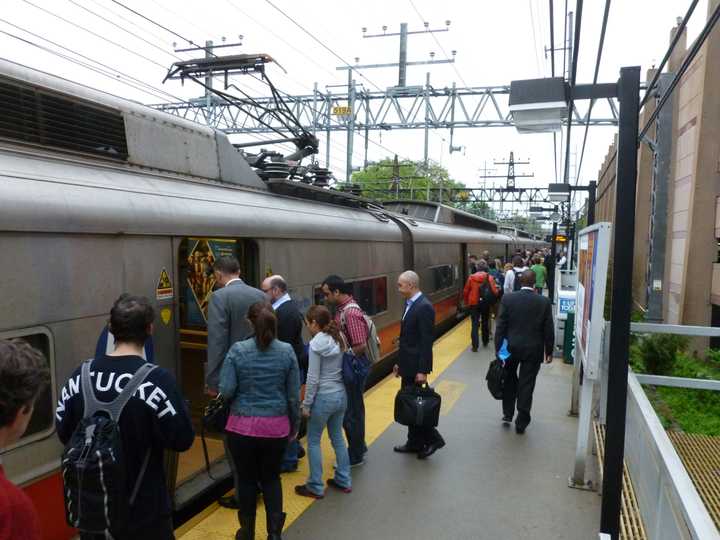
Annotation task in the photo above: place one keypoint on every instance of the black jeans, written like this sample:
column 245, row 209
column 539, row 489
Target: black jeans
column 420, row 437
column 518, row 391
column 480, row 316
column 354, row 420
column 258, row 461
column 162, row 529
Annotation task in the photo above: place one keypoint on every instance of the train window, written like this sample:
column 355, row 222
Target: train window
column 42, row 422
column 442, row 277
column 370, row 294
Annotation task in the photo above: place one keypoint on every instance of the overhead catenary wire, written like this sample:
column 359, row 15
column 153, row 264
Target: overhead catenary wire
column 104, row 38
column 122, row 28
column 573, row 74
column 601, row 43
column 535, row 43
column 182, row 37
column 81, row 63
column 712, row 20
column 671, row 48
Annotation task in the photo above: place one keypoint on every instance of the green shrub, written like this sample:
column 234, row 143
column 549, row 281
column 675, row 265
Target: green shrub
column 656, row 353
column 713, row 356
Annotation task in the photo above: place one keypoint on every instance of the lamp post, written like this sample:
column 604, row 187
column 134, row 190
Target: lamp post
column 534, row 105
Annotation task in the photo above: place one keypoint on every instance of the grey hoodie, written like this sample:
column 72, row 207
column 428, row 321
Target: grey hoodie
column 324, row 368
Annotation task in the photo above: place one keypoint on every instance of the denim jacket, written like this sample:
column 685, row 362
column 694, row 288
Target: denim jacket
column 262, row 383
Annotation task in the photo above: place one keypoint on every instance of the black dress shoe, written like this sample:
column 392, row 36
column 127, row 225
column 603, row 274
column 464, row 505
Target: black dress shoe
column 406, row 449
column 430, row 449
column 301, row 452
column 228, row 502
column 519, row 430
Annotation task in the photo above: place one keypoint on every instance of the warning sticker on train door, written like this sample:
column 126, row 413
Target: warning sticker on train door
column 164, row 289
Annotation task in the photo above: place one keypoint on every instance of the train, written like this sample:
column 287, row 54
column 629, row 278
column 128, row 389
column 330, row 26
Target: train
column 100, row 195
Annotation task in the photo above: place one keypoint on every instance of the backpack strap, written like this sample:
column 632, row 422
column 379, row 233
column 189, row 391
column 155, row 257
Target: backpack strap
column 116, row 406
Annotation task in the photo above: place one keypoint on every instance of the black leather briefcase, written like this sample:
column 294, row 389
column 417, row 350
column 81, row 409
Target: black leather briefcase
column 417, row 405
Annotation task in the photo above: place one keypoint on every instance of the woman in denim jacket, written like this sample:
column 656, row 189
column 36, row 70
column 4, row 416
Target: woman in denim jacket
column 260, row 380
column 325, row 403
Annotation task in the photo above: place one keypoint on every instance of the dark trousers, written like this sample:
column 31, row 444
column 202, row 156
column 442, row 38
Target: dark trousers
column 480, row 316
column 162, row 529
column 354, row 420
column 257, row 461
column 518, row 390
column 419, row 437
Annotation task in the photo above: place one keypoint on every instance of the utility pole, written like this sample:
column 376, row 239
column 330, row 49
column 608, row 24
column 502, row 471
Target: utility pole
column 510, row 176
column 402, row 63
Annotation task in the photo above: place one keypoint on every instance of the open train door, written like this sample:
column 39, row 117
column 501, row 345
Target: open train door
column 187, row 476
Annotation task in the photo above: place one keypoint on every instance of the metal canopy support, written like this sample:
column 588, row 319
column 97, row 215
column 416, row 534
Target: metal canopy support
column 657, row 241
column 629, row 95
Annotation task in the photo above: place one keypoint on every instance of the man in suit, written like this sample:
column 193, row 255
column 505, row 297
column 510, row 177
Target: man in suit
column 526, row 322
column 289, row 329
column 227, row 323
column 415, row 358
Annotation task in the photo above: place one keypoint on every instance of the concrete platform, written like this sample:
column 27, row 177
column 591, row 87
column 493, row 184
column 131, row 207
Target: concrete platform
column 488, row 482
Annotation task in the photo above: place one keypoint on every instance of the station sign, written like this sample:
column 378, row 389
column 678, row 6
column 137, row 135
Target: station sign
column 342, row 111
column 561, row 238
column 566, row 304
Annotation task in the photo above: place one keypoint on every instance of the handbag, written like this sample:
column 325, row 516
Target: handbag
column 215, row 417
column 417, row 405
column 496, row 378
column 354, row 368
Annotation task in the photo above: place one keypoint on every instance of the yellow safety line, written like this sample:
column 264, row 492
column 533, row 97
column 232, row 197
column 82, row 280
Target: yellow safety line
column 220, row 523
column 450, row 392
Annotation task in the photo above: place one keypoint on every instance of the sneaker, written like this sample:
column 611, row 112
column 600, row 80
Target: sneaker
column 506, row 420
column 303, row 491
column 357, row 463
column 333, row 484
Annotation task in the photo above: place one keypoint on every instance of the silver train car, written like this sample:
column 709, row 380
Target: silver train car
column 100, row 196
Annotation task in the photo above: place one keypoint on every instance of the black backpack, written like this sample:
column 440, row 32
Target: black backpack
column 93, row 470
column 516, row 282
column 486, row 292
column 496, row 378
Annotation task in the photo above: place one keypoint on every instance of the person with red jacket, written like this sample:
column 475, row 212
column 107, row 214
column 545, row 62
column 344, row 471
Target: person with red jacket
column 479, row 294
column 23, row 376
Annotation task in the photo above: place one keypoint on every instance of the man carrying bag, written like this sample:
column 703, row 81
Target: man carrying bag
column 414, row 363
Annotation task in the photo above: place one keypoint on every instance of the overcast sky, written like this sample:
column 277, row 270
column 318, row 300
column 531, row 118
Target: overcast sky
column 496, row 41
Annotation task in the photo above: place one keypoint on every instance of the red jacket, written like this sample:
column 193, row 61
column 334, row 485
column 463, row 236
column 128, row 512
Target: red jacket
column 471, row 292
column 18, row 519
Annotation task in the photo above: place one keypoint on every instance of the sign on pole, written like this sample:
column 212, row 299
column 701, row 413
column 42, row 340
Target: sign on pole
column 593, row 256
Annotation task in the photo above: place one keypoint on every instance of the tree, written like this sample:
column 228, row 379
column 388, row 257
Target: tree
column 392, row 179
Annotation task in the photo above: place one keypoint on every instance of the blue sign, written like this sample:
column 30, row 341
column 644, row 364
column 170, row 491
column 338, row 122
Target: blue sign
column 566, row 305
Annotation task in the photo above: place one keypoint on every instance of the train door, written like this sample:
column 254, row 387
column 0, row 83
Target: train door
column 196, row 256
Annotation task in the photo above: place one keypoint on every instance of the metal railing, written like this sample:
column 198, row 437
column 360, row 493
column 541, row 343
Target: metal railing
column 670, row 505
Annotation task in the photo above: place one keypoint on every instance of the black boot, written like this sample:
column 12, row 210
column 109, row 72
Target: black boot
column 275, row 524
column 247, row 527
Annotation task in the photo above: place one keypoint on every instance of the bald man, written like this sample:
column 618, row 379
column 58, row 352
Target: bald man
column 289, row 329
column 415, row 358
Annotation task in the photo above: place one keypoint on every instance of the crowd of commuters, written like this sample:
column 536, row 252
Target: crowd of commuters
column 273, row 383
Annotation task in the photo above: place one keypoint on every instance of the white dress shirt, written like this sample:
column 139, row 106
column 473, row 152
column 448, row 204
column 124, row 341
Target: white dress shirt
column 280, row 301
column 410, row 301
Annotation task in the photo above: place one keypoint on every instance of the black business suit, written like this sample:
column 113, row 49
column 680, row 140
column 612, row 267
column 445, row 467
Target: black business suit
column 289, row 329
column 526, row 321
column 416, row 356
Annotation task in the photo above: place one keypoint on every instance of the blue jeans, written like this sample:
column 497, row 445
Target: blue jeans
column 327, row 410
column 290, row 458
column 354, row 421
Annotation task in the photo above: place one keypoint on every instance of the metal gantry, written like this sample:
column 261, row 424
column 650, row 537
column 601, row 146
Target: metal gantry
column 394, row 108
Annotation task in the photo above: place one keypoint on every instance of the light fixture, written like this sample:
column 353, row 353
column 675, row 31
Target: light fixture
column 559, row 192
column 538, row 105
